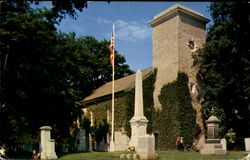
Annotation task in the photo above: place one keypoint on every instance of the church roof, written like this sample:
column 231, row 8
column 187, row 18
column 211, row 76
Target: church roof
column 121, row 84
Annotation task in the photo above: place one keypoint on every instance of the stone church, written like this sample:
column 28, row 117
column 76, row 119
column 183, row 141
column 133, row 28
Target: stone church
column 177, row 33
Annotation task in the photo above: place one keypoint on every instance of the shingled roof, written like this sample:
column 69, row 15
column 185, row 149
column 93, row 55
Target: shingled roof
column 120, row 85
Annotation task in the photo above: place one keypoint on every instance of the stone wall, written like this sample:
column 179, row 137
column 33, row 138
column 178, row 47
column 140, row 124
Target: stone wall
column 165, row 57
column 190, row 29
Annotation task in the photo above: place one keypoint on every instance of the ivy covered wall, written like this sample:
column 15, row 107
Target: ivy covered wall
column 124, row 106
column 122, row 111
column 177, row 117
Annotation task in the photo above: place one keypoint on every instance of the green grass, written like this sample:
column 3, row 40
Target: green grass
column 163, row 155
column 92, row 156
column 174, row 155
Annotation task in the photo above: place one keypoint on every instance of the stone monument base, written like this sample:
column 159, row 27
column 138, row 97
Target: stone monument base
column 52, row 156
column 146, row 147
column 247, row 144
column 213, row 148
column 138, row 128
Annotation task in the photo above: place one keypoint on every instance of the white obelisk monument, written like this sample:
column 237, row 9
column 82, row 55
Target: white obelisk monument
column 138, row 121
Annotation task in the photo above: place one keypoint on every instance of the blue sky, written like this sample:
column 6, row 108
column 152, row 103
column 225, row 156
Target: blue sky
column 133, row 34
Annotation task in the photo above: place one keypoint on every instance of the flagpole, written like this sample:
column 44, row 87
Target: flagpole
column 112, row 145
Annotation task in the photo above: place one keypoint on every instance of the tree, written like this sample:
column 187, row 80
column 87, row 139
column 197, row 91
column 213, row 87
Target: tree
column 24, row 40
column 62, row 8
column 91, row 58
column 224, row 67
column 44, row 74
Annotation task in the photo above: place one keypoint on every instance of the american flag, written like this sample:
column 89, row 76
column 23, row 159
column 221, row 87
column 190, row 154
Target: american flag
column 111, row 48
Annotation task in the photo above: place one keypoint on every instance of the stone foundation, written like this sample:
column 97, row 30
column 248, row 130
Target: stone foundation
column 146, row 147
column 213, row 149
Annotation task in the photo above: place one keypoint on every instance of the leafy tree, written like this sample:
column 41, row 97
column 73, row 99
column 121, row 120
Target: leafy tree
column 44, row 74
column 62, row 8
column 24, row 39
column 92, row 57
column 224, row 67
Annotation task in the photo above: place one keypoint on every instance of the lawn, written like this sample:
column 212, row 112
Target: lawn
column 163, row 155
column 174, row 155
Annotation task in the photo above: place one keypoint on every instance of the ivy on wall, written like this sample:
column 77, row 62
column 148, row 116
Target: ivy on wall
column 148, row 100
column 124, row 107
column 100, row 111
column 177, row 117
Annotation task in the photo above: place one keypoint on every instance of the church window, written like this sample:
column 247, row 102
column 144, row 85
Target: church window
column 191, row 45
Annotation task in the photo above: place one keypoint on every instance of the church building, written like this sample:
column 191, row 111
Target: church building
column 177, row 33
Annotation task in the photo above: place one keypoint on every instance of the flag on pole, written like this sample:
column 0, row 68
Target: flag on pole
column 112, row 60
column 111, row 48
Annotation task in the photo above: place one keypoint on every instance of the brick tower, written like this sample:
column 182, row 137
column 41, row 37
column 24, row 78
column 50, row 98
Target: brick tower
column 177, row 33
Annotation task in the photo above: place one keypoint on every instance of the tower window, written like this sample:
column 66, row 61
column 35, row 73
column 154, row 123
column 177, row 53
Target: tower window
column 191, row 45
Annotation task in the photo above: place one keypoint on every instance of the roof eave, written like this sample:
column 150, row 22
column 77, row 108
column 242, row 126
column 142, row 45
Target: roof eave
column 165, row 15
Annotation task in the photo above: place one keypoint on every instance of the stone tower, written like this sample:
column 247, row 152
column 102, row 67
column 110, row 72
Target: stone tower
column 177, row 33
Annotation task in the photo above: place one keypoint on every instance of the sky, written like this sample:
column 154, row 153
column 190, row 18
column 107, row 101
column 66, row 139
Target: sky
column 133, row 34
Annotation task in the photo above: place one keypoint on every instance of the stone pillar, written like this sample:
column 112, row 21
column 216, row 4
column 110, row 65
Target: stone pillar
column 247, row 144
column 138, row 121
column 213, row 143
column 45, row 137
column 47, row 148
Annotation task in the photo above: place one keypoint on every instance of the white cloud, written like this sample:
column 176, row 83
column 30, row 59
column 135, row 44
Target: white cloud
column 103, row 21
column 129, row 30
